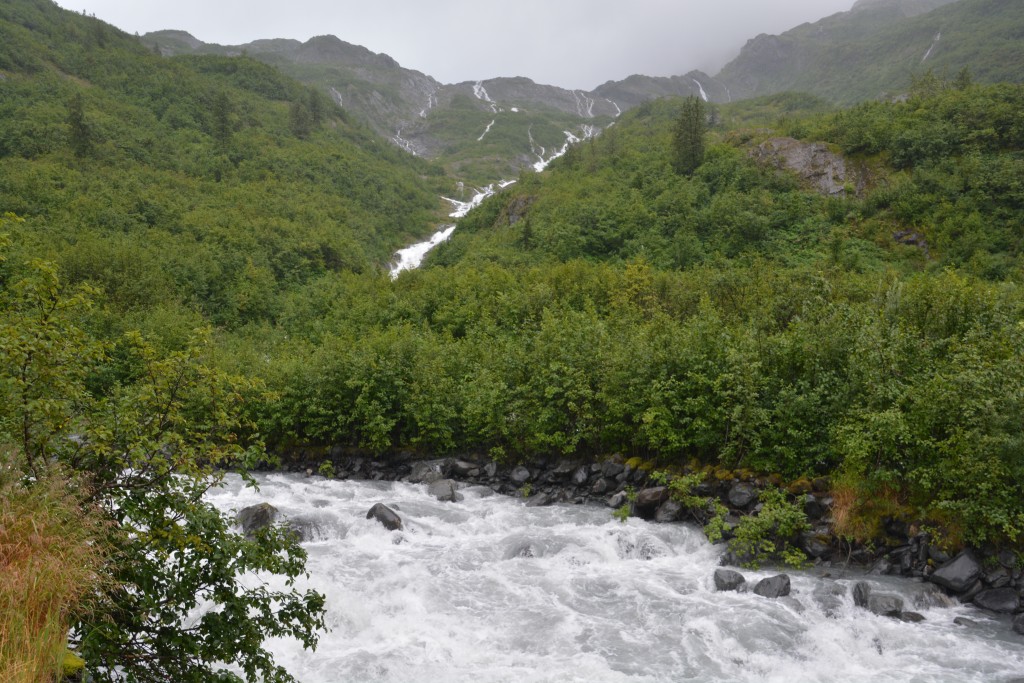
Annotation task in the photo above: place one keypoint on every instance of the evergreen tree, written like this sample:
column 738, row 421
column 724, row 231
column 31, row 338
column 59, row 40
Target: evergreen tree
column 300, row 120
column 688, row 137
column 80, row 132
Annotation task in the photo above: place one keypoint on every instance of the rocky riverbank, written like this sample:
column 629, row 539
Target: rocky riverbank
column 989, row 578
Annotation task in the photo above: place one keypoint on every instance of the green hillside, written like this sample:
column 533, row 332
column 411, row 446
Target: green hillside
column 876, row 50
column 211, row 183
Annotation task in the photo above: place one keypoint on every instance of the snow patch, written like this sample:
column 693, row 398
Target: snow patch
column 618, row 110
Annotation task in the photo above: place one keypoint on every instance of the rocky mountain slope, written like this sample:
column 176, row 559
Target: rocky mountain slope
column 479, row 130
column 482, row 131
column 878, row 47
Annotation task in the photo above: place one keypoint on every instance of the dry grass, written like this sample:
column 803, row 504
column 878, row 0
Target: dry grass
column 858, row 513
column 49, row 562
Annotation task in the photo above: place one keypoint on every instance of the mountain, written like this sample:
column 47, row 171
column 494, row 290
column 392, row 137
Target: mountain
column 480, row 131
column 878, row 47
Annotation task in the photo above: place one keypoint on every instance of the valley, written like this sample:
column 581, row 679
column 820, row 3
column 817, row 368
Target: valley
column 778, row 308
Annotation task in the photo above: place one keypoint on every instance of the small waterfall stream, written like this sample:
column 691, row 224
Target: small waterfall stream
column 489, row 590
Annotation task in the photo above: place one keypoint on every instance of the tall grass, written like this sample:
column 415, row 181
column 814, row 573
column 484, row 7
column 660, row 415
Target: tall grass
column 50, row 560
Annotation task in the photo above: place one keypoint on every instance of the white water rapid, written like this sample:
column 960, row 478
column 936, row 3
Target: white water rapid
column 490, row 591
column 703, row 95
column 570, row 139
column 411, row 257
column 935, row 42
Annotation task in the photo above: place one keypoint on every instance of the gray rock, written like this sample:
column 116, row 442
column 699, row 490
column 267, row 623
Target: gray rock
column 257, row 517
column 669, row 511
column 612, row 469
column 812, row 508
column 491, row 470
column 861, row 593
column 742, row 495
column 539, row 500
column 958, row 574
column 968, row 595
column 964, row 621
column 520, row 475
column 773, row 587
column 425, row 472
column 911, row 617
column 728, row 580
column 928, row 595
column 306, row 529
column 386, row 516
column 648, row 501
column 618, row 500
column 885, row 604
column 816, row 544
column 580, row 476
column 461, row 468
column 1001, row 600
column 1007, row 558
column 445, row 490
column 1018, row 624
column 600, row 487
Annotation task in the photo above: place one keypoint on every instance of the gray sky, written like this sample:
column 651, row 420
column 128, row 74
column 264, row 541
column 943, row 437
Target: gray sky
column 570, row 43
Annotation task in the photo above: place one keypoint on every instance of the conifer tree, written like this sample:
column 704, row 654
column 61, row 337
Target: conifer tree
column 688, row 137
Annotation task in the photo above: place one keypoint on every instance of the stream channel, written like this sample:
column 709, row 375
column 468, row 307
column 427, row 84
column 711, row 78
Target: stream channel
column 487, row 590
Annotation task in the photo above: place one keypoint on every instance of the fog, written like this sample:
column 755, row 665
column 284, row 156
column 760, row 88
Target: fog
column 571, row 43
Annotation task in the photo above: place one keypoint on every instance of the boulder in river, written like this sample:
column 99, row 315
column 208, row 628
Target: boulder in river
column 773, row 586
column 1018, row 624
column 885, row 604
column 257, row 517
column 425, row 472
column 386, row 516
column 445, row 490
column 1001, row 600
column 728, row 580
column 958, row 574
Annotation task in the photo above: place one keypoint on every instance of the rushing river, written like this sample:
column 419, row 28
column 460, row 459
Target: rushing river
column 489, row 590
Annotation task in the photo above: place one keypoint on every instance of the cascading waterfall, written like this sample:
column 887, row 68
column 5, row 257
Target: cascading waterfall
column 490, row 590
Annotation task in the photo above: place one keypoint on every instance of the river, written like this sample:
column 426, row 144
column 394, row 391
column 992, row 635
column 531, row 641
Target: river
column 488, row 590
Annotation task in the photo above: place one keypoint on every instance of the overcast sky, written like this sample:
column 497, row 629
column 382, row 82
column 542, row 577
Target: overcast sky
column 570, row 43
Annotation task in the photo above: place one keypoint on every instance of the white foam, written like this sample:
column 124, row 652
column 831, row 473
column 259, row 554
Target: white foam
column 489, row 590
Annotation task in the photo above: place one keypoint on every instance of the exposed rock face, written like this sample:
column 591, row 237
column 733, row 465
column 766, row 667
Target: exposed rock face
column 773, row 587
column 257, row 517
column 959, row 574
column 728, row 580
column 386, row 516
column 814, row 162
